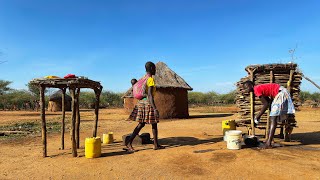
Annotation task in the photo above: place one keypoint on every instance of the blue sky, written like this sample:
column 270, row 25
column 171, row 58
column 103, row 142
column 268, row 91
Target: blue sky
column 208, row 43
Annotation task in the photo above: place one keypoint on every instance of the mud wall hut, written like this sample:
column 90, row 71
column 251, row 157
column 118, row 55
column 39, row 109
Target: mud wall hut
column 55, row 102
column 171, row 94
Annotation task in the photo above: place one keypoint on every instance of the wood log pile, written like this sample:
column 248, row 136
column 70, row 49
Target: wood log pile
column 287, row 75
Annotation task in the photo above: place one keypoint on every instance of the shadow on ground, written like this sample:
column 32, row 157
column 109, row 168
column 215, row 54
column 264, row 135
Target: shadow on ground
column 309, row 138
column 117, row 153
column 210, row 116
column 172, row 142
column 36, row 114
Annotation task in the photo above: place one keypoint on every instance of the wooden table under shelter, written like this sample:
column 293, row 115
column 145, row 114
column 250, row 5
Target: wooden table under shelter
column 74, row 85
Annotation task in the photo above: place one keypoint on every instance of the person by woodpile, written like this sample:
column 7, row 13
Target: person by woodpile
column 146, row 111
column 281, row 105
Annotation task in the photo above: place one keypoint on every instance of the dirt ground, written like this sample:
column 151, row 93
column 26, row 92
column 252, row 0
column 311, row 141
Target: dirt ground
column 194, row 150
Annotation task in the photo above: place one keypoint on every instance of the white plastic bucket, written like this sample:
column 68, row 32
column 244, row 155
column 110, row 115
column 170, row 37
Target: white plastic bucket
column 225, row 137
column 233, row 139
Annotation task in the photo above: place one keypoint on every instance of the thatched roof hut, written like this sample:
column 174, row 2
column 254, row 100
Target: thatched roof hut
column 55, row 102
column 171, row 94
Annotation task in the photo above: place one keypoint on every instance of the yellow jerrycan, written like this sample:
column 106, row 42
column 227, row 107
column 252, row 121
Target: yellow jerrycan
column 228, row 125
column 93, row 147
column 108, row 138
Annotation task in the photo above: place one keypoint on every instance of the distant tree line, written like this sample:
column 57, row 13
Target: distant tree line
column 107, row 99
column 13, row 99
column 211, row 98
column 305, row 95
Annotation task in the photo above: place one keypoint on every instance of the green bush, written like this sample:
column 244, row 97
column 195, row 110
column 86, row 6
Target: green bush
column 305, row 95
column 211, row 98
column 16, row 99
column 87, row 100
column 107, row 99
column 4, row 86
column 112, row 99
column 228, row 98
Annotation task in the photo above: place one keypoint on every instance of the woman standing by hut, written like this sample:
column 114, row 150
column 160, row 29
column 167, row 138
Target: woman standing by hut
column 146, row 111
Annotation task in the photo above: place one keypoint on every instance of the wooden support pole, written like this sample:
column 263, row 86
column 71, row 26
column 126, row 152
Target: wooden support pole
column 43, row 121
column 252, row 113
column 73, row 122
column 63, row 116
column 271, row 77
column 252, row 99
column 96, row 111
column 289, row 84
column 78, row 118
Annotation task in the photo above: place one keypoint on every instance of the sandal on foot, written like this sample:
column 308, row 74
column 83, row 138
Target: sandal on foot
column 159, row 147
column 265, row 147
column 129, row 150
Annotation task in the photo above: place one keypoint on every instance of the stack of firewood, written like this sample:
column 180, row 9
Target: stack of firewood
column 263, row 74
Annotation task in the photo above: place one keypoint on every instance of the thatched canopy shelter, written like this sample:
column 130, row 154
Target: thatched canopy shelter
column 171, row 94
column 74, row 85
column 55, row 102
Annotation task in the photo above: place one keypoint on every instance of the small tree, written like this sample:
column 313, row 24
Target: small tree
column 4, row 89
column 211, row 98
column 18, row 98
column 196, row 98
column 315, row 97
column 305, row 95
column 4, row 86
column 35, row 91
column 109, row 98
column 229, row 98
column 86, row 99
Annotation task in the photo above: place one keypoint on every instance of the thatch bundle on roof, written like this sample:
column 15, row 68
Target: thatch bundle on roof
column 171, row 94
column 165, row 78
column 268, row 73
column 55, row 102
